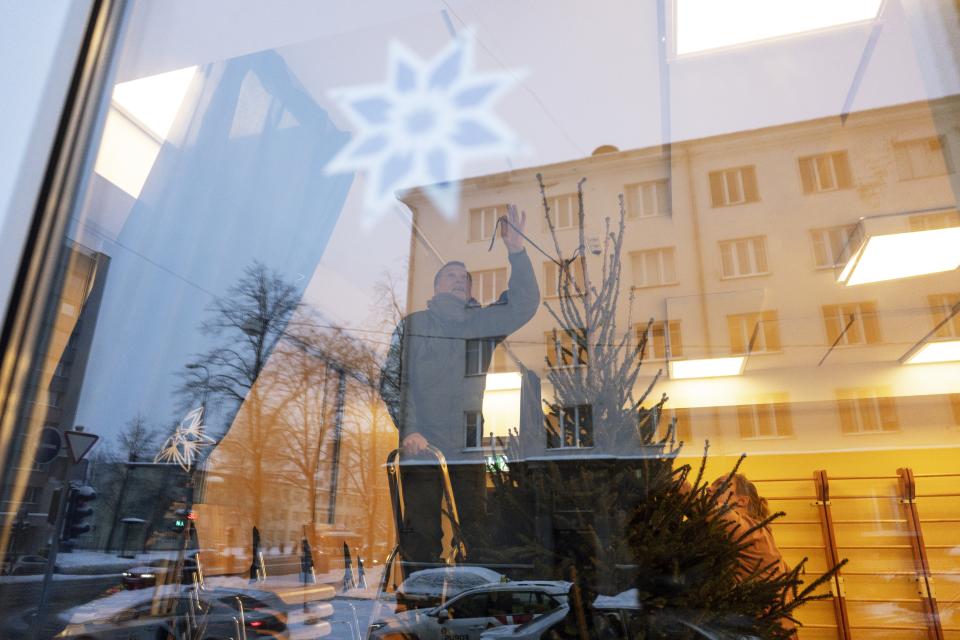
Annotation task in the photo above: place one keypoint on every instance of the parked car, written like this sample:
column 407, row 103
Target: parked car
column 177, row 611
column 612, row 618
column 25, row 565
column 155, row 571
column 468, row 614
column 429, row 587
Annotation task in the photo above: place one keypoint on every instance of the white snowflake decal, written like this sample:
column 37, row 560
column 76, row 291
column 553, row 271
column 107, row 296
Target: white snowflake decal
column 185, row 443
column 419, row 128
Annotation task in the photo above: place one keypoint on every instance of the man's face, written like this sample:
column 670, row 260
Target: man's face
column 454, row 280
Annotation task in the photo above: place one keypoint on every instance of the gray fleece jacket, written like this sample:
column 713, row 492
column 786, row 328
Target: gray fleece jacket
column 423, row 381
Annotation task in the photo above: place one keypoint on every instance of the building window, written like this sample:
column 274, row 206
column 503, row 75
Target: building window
column 742, row 326
column 483, row 356
column 564, row 211
column 569, row 427
column 32, row 495
column 866, row 411
column 662, row 340
column 865, row 328
column 935, row 220
column 554, row 286
column 829, row 243
column 767, row 419
column 744, row 257
column 941, row 305
column 825, row 172
column 734, row 186
column 483, row 221
column 473, row 421
column 488, row 285
column 920, row 158
column 647, row 199
column 684, row 428
column 566, row 348
column 654, row 267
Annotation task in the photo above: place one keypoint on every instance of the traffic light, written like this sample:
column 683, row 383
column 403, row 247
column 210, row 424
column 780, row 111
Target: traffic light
column 180, row 517
column 77, row 511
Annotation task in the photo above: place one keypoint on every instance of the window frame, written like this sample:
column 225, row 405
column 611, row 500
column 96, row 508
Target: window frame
column 854, row 404
column 477, row 426
column 777, row 413
column 839, row 170
column 751, row 243
column 747, row 183
column 768, row 321
column 551, row 278
column 497, row 210
column 639, row 212
column 670, row 337
column 486, row 356
column 660, row 252
column 573, row 209
column 477, row 279
column 560, row 414
column 577, row 345
column 902, row 157
column 824, row 234
column 867, row 323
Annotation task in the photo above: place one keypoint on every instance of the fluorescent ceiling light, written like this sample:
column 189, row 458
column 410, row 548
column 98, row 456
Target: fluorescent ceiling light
column 141, row 114
column 702, row 25
column 902, row 255
column 707, row 367
column 155, row 100
column 503, row 381
column 946, row 351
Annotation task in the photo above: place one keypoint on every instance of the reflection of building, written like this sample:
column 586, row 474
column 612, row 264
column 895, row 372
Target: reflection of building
column 54, row 390
column 733, row 244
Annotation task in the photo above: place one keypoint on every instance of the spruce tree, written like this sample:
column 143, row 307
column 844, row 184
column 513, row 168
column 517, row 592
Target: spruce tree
column 636, row 519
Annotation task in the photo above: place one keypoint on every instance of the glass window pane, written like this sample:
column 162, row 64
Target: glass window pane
column 247, row 273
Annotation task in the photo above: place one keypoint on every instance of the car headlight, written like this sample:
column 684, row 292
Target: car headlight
column 148, row 575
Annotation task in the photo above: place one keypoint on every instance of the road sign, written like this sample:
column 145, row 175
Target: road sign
column 49, row 445
column 79, row 443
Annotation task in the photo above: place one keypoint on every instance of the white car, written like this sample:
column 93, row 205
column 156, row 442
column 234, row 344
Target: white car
column 612, row 620
column 467, row 615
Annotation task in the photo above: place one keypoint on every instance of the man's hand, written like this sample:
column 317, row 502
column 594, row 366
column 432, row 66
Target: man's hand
column 414, row 444
column 510, row 225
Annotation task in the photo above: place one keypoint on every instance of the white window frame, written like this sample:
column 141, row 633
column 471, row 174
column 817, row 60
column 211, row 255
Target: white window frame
column 736, row 175
column 841, row 319
column 494, row 211
column 829, row 159
column 482, row 277
column 940, row 306
column 486, row 348
column 832, row 241
column 761, row 411
column 934, row 160
column 567, row 204
column 477, row 418
column 561, row 413
column 753, row 246
column 638, row 257
column 666, row 326
column 578, row 351
column 747, row 322
column 551, row 278
column 863, row 402
column 637, row 203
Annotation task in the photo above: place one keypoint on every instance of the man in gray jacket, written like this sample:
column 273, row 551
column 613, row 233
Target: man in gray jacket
column 423, row 384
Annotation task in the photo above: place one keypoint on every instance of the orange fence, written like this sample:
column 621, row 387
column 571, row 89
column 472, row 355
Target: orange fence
column 901, row 536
